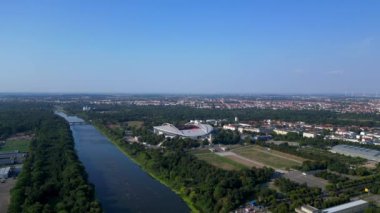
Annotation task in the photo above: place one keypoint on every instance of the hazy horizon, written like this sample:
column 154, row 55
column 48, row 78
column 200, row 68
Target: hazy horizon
column 190, row 47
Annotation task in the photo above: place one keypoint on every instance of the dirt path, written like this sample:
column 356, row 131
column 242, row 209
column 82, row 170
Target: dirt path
column 5, row 196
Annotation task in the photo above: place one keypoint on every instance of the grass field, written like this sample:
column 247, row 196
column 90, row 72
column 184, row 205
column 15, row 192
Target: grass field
column 12, row 145
column 272, row 158
column 220, row 162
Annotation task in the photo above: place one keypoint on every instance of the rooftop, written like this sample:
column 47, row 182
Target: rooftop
column 369, row 154
column 344, row 206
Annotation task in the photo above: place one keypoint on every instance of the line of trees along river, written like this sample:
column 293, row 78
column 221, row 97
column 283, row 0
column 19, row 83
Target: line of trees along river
column 121, row 185
column 52, row 179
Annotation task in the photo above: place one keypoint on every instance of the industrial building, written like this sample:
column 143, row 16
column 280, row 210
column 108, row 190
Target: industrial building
column 10, row 158
column 193, row 130
column 4, row 172
column 354, row 151
column 352, row 207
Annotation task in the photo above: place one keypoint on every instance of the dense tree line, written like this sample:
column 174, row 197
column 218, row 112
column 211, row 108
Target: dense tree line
column 296, row 195
column 52, row 178
column 19, row 118
column 155, row 115
column 226, row 137
column 331, row 177
column 210, row 189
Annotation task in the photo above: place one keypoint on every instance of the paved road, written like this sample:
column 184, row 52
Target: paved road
column 309, row 179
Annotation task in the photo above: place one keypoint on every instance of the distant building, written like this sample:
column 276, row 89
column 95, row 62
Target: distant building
column 352, row 207
column 307, row 209
column 354, row 151
column 263, row 137
column 308, row 135
column 193, row 130
column 248, row 129
column 10, row 158
column 4, row 172
column 86, row 108
column 280, row 132
column 230, row 127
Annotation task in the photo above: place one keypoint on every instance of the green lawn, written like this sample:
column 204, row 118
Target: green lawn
column 12, row 145
column 220, row 162
column 272, row 158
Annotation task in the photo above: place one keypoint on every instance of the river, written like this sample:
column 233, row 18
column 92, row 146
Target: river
column 120, row 184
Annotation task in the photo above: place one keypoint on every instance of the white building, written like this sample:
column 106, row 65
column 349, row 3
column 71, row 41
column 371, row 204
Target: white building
column 280, row 132
column 193, row 130
column 4, row 172
column 351, row 207
column 308, row 135
column 248, row 129
column 230, row 127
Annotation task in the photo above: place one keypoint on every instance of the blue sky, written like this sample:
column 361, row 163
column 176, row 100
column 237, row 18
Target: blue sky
column 190, row 46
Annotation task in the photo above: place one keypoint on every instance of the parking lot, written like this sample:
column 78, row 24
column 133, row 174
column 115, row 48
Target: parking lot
column 309, row 179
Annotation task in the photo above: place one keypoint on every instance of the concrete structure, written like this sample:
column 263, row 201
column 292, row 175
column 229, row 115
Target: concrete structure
column 351, row 207
column 354, row 151
column 193, row 130
column 4, row 172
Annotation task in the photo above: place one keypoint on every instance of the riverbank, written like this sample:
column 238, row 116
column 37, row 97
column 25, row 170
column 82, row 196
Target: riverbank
column 118, row 143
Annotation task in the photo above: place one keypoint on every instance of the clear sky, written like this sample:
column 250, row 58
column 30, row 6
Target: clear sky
column 190, row 46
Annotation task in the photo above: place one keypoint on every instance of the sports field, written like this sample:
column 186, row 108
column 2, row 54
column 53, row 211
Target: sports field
column 12, row 145
column 220, row 162
column 271, row 158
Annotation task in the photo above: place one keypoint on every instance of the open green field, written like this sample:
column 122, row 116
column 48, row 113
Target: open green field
column 220, row 162
column 271, row 158
column 12, row 145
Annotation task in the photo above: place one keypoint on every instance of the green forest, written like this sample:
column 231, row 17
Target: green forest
column 52, row 178
column 156, row 115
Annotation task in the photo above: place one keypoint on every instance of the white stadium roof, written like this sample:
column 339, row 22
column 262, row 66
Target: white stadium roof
column 195, row 130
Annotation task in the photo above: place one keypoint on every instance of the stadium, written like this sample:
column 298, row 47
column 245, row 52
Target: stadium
column 193, row 130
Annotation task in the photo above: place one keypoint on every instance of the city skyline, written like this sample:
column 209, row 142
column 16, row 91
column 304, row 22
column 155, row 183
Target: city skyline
column 190, row 47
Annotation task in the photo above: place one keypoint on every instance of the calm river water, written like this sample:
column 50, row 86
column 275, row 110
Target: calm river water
column 120, row 184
